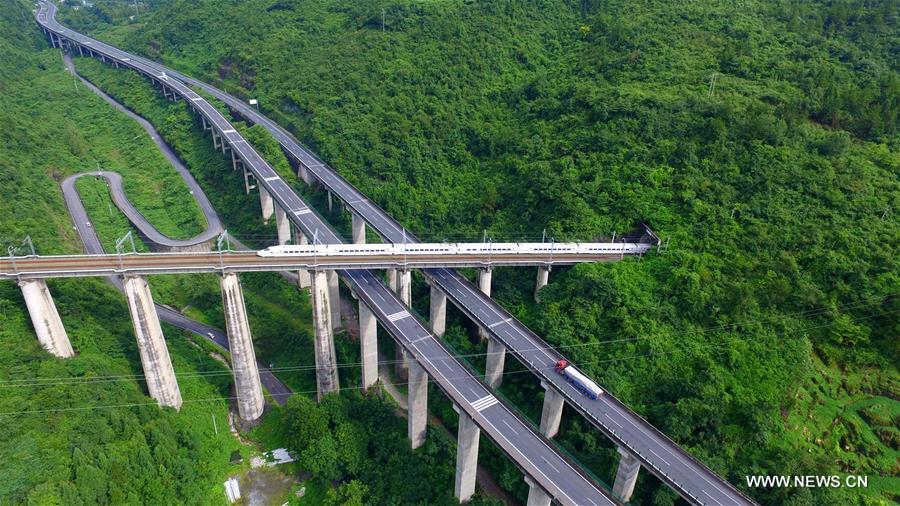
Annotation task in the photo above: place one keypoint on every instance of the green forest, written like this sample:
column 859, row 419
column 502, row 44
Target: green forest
column 759, row 139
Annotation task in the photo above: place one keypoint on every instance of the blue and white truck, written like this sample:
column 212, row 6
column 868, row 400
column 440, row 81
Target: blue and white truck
column 581, row 382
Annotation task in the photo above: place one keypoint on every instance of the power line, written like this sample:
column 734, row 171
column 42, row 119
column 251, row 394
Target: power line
column 429, row 379
column 99, row 379
column 65, row 381
column 52, row 381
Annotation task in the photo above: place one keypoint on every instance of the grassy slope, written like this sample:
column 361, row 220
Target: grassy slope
column 85, row 448
column 779, row 189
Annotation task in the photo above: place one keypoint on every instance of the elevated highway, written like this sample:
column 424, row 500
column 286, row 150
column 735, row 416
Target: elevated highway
column 561, row 478
column 656, row 453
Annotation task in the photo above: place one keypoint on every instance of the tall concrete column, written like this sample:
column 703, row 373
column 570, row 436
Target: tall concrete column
column 417, row 415
column 158, row 371
column 466, row 457
column 359, row 228
column 326, row 361
column 438, row 312
column 626, row 475
column 484, row 284
column 283, row 225
column 368, row 345
column 250, row 398
column 551, row 413
column 334, row 292
column 496, row 357
column 404, row 289
column 543, row 276
column 267, row 203
column 404, row 286
column 392, row 279
column 536, row 495
column 302, row 276
column 247, row 176
column 303, row 173
column 45, row 318
column 330, row 202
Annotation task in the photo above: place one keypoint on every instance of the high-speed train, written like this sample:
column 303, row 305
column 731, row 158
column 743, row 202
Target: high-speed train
column 499, row 248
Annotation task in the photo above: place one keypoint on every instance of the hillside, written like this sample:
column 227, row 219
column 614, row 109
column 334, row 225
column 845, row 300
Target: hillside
column 759, row 139
column 82, row 431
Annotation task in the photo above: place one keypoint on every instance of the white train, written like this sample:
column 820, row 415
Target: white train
column 581, row 382
column 505, row 248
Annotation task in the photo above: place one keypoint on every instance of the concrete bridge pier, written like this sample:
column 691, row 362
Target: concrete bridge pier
column 215, row 135
column 536, row 495
column 234, row 161
column 330, row 201
column 250, row 398
column 404, row 289
column 404, row 286
column 334, row 293
column 438, row 311
column 158, row 371
column 484, row 284
column 359, row 228
column 496, row 358
column 267, row 204
column 551, row 412
column 626, row 475
column 303, row 173
column 466, row 456
column 247, row 176
column 302, row 276
column 326, row 361
column 45, row 318
column 417, row 412
column 283, row 225
column 392, row 279
column 368, row 345
column 543, row 276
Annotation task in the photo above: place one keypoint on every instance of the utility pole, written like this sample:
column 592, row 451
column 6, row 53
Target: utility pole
column 27, row 242
column 712, row 83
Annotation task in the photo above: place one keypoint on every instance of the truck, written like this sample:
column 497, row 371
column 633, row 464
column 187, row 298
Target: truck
column 580, row 381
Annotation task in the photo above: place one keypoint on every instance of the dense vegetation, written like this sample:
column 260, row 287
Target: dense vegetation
column 82, row 431
column 760, row 138
column 360, row 443
column 282, row 337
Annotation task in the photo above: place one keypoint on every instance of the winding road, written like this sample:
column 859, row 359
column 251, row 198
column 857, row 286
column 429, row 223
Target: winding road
column 92, row 245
